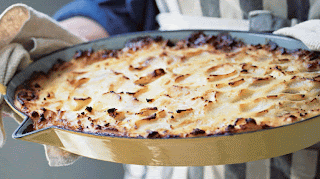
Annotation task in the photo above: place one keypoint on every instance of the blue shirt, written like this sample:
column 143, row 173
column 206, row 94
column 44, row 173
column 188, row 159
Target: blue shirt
column 116, row 16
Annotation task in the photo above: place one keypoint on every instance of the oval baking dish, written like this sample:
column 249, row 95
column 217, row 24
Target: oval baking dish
column 197, row 151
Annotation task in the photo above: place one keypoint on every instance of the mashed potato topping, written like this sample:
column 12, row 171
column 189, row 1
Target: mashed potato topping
column 152, row 88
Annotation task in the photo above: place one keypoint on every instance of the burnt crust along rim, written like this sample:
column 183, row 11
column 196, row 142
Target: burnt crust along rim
column 153, row 88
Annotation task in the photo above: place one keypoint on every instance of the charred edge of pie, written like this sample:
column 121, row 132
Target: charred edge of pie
column 26, row 95
column 308, row 56
column 27, row 85
column 169, row 43
column 274, row 47
column 140, row 42
column 313, row 55
column 83, row 53
column 101, row 130
column 107, row 130
column 92, row 56
column 311, row 59
column 244, row 125
column 197, row 131
column 37, row 75
column 154, row 135
column 247, row 125
column 226, row 42
column 59, row 65
column 223, row 41
column 110, row 53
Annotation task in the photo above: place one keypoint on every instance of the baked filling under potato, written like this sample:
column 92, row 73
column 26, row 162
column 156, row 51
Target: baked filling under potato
column 154, row 88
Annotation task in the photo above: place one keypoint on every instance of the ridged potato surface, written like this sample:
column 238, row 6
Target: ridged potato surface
column 152, row 88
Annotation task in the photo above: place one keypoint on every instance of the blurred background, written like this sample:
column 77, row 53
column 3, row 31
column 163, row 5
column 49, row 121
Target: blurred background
column 20, row 159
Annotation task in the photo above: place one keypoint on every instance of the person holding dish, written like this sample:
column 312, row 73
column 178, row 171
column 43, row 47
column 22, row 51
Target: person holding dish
column 102, row 18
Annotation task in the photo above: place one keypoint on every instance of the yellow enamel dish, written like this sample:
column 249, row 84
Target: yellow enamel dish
column 198, row 151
